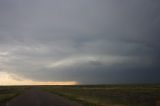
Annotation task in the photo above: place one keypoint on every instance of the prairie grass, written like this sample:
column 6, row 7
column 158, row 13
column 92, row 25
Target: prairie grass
column 9, row 92
column 110, row 95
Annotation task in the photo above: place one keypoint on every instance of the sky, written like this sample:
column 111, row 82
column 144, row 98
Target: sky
column 79, row 42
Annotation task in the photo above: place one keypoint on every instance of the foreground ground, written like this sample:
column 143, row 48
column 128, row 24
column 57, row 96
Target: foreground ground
column 9, row 92
column 35, row 97
column 110, row 95
column 88, row 95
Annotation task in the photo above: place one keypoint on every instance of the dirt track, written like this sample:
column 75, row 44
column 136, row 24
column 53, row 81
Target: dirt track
column 34, row 97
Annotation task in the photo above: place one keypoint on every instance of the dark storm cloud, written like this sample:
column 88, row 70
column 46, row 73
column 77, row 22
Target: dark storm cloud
column 88, row 41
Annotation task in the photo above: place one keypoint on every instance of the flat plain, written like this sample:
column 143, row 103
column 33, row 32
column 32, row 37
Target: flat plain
column 85, row 95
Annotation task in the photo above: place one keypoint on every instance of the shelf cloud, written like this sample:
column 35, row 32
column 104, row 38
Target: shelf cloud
column 80, row 41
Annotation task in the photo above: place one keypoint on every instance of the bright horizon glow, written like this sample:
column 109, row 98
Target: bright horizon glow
column 12, row 79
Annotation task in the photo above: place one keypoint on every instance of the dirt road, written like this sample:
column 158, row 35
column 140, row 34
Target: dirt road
column 34, row 97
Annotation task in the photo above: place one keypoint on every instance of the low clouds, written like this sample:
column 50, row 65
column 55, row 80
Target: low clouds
column 86, row 41
column 12, row 79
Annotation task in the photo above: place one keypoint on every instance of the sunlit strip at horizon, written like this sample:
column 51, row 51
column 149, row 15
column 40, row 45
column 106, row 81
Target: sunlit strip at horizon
column 11, row 79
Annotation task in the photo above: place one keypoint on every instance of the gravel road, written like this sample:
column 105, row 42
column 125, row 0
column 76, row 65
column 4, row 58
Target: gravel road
column 35, row 97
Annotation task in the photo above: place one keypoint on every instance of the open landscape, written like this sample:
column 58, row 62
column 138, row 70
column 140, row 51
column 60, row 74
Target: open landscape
column 81, row 95
column 79, row 52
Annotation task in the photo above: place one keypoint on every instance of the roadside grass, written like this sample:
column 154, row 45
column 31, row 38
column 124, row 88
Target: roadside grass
column 9, row 92
column 110, row 95
column 6, row 97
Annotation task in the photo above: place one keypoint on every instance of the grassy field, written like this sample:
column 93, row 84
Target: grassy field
column 9, row 92
column 110, row 95
column 96, row 95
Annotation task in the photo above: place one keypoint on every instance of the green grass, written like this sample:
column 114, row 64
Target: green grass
column 110, row 95
column 6, row 97
column 9, row 92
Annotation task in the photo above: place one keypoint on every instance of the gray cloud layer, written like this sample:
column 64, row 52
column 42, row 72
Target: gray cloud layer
column 89, row 41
